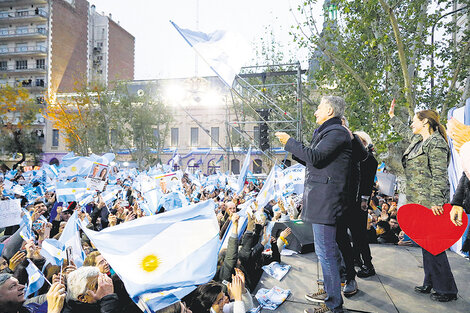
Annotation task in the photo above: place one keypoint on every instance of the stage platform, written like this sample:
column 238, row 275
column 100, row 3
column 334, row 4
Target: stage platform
column 398, row 269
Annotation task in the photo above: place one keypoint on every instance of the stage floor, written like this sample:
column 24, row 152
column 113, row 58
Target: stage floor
column 398, row 269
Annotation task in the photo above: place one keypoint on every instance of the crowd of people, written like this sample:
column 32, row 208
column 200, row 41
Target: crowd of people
column 351, row 224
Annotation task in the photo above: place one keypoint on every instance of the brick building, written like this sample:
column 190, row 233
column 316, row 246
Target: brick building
column 47, row 46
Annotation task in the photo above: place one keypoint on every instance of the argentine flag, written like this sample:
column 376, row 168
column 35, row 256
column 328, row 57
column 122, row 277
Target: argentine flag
column 243, row 172
column 35, row 279
column 161, row 252
column 225, row 52
column 266, row 193
column 53, row 251
column 70, row 237
column 69, row 192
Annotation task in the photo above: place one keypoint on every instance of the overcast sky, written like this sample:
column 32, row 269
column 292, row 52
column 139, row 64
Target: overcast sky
column 160, row 52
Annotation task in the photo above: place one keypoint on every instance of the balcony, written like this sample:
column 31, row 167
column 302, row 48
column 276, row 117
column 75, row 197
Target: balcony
column 31, row 84
column 24, row 33
column 37, row 15
column 15, row 70
column 9, row 3
column 24, row 50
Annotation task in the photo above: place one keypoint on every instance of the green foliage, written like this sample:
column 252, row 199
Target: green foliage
column 359, row 55
column 19, row 120
column 99, row 120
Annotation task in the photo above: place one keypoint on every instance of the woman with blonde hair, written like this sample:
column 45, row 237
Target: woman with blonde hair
column 425, row 162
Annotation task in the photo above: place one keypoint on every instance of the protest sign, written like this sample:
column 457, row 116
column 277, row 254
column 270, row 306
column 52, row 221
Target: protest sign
column 10, row 212
column 386, row 182
column 97, row 177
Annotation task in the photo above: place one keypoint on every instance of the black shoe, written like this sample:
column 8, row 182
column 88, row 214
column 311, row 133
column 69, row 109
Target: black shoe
column 443, row 297
column 366, row 271
column 423, row 289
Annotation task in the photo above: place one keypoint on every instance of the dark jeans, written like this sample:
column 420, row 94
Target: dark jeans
column 328, row 255
column 437, row 273
column 358, row 227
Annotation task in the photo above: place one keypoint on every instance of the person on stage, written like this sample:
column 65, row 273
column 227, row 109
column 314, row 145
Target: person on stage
column 327, row 159
column 425, row 162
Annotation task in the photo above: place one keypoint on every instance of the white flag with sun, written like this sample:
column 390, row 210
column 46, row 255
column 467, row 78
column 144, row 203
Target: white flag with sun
column 164, row 251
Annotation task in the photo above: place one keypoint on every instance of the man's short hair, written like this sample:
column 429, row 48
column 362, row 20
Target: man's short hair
column 4, row 277
column 77, row 281
column 336, row 103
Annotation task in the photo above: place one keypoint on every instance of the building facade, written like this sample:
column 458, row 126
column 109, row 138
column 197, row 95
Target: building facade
column 51, row 46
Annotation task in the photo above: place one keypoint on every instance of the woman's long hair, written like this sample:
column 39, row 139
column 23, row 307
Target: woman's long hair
column 433, row 120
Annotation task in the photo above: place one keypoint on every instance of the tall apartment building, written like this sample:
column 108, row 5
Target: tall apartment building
column 47, row 46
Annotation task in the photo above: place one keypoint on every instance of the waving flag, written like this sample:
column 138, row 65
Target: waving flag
column 243, row 172
column 53, row 251
column 292, row 180
column 35, row 279
column 225, row 52
column 266, row 193
column 70, row 237
column 69, row 192
column 162, row 252
column 26, row 226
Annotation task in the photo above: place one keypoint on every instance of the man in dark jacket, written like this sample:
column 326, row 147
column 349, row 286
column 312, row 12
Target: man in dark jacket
column 327, row 160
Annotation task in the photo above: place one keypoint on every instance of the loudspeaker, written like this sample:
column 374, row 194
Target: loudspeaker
column 301, row 238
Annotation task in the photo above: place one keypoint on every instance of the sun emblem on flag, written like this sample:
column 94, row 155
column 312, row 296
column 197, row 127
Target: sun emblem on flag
column 73, row 169
column 150, row 263
column 74, row 190
column 291, row 177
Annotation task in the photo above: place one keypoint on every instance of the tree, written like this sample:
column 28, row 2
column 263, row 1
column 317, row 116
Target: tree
column 376, row 50
column 99, row 120
column 19, row 113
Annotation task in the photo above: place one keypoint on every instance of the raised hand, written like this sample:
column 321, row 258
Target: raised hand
column 391, row 112
column 55, row 298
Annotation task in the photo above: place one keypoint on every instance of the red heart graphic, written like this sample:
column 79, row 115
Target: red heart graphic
column 433, row 233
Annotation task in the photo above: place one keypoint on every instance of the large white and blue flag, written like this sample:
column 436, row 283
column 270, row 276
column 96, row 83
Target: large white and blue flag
column 158, row 253
column 35, row 279
column 53, row 251
column 243, row 172
column 26, row 226
column 225, row 52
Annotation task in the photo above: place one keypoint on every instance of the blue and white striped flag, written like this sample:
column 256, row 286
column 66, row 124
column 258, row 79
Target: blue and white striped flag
column 69, row 192
column 162, row 252
column 53, row 251
column 243, row 172
column 35, row 279
column 70, row 237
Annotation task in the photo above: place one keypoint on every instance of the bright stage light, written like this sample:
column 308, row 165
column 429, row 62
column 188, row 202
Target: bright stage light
column 175, row 94
column 211, row 99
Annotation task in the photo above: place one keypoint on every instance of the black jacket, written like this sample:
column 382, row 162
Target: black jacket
column 108, row 304
column 368, row 172
column 462, row 194
column 327, row 162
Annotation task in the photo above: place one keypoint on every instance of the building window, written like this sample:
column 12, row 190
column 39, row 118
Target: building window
column 193, row 166
column 21, row 30
column 40, row 82
column 212, row 167
column 22, row 65
column 22, row 13
column 3, row 65
column 41, row 63
column 215, row 136
column 194, row 136
column 235, row 166
column 174, row 137
column 257, row 166
column 55, row 137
